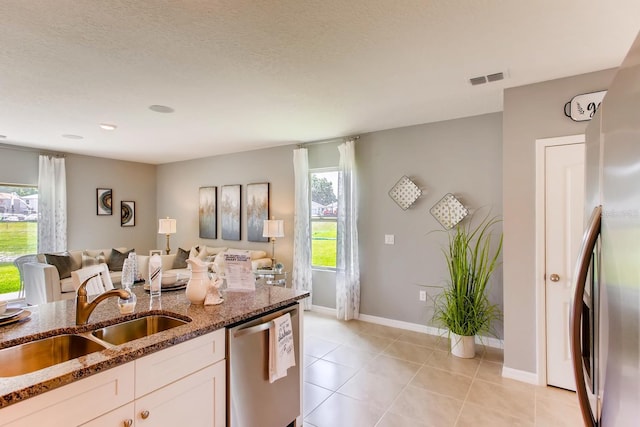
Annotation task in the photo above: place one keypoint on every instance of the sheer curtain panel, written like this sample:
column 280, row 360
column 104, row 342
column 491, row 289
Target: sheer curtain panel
column 301, row 236
column 348, row 266
column 52, row 205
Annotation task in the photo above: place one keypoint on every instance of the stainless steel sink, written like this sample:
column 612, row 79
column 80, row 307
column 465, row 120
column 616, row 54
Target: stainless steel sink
column 121, row 333
column 35, row 355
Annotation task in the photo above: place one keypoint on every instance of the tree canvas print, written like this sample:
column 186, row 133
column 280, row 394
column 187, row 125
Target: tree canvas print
column 207, row 213
column 230, row 212
column 257, row 211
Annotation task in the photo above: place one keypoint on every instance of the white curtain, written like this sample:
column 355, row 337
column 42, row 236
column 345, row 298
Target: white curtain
column 301, row 236
column 348, row 266
column 52, row 205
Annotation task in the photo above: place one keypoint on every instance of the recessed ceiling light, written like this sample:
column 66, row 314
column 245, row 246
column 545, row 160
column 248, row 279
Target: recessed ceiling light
column 107, row 126
column 161, row 109
column 71, row 136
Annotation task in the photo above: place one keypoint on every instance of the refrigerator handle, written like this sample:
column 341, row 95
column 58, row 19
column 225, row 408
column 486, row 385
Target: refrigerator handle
column 584, row 260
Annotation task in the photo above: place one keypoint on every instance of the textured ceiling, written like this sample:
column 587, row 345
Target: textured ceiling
column 246, row 74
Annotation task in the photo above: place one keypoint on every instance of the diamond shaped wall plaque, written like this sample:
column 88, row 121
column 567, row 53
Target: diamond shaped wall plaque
column 449, row 211
column 405, row 193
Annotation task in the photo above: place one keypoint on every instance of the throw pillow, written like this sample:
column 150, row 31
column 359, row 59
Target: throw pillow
column 116, row 259
column 62, row 262
column 203, row 254
column 193, row 253
column 180, row 261
column 88, row 260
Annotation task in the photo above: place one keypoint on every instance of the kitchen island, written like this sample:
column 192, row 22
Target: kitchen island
column 59, row 318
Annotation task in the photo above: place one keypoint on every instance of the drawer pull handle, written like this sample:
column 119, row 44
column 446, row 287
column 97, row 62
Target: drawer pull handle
column 144, row 414
column 128, row 423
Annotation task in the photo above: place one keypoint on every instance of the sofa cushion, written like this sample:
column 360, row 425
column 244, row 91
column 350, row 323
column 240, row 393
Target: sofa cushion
column 180, row 261
column 66, row 285
column 62, row 262
column 90, row 259
column 257, row 255
column 117, row 259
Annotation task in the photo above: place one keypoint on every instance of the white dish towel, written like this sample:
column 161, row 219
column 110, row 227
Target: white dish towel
column 281, row 347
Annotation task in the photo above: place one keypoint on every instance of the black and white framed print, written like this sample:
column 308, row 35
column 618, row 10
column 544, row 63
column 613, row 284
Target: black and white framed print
column 104, row 201
column 127, row 214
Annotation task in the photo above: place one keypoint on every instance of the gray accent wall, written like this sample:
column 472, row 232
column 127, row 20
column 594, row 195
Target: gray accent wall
column 86, row 230
column 460, row 156
column 530, row 112
column 178, row 185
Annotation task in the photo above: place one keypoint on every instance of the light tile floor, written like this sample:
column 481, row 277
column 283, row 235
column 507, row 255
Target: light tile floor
column 363, row 374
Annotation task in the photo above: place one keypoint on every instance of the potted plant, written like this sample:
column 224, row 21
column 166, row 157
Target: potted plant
column 463, row 306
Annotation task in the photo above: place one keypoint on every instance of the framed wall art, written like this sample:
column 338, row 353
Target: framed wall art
column 230, row 212
column 257, row 211
column 207, row 212
column 103, row 201
column 127, row 214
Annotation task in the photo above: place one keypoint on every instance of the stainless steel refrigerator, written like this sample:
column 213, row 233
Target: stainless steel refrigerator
column 606, row 308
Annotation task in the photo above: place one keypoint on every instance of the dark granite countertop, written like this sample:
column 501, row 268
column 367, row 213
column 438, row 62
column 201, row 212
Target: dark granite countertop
column 59, row 317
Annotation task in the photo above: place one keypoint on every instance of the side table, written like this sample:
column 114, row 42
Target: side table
column 272, row 277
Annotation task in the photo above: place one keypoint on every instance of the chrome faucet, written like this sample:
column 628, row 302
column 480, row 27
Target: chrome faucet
column 84, row 308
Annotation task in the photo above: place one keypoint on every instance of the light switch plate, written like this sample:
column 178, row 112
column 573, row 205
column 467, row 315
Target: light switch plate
column 389, row 239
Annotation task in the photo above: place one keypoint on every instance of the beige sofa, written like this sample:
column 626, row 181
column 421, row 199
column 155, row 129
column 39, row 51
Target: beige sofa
column 43, row 282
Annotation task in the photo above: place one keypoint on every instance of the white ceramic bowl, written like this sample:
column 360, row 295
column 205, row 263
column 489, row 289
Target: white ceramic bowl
column 169, row 278
column 3, row 307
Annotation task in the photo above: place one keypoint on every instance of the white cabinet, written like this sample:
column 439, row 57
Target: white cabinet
column 74, row 403
column 196, row 400
column 184, row 384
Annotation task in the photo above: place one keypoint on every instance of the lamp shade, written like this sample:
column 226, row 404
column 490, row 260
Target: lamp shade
column 273, row 228
column 167, row 226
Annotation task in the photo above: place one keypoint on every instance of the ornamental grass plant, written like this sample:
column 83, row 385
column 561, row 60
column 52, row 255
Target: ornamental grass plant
column 463, row 306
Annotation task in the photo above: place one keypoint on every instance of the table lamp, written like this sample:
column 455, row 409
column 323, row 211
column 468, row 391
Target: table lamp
column 167, row 226
column 273, row 228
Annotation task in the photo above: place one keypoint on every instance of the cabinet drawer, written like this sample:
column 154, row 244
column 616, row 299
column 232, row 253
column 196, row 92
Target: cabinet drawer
column 74, row 403
column 164, row 367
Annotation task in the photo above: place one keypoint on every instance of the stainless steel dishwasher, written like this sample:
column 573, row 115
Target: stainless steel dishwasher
column 251, row 400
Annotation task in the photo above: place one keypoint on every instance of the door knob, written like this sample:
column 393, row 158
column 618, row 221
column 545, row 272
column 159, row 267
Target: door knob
column 554, row 278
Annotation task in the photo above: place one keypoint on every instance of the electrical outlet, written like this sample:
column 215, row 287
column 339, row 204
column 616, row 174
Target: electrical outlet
column 389, row 239
column 423, row 295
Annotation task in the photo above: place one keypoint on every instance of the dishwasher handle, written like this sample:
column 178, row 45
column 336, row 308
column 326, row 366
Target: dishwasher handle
column 260, row 327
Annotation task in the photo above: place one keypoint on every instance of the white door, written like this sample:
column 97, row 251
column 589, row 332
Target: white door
column 564, row 207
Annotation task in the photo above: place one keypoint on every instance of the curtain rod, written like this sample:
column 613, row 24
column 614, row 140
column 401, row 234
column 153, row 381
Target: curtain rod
column 326, row 141
column 31, row 150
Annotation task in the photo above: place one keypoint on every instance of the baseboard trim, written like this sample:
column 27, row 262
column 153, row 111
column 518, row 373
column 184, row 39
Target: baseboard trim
column 518, row 375
column 486, row 341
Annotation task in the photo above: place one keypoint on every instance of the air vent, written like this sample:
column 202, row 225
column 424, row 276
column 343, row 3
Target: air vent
column 495, row 77
column 475, row 81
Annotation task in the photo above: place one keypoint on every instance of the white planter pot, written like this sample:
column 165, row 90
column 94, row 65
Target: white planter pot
column 464, row 347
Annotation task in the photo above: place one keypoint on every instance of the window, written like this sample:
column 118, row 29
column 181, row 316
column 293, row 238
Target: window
column 324, row 212
column 18, row 232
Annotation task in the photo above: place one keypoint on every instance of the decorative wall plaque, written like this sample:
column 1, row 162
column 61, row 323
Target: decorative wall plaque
column 582, row 107
column 405, row 193
column 449, row 211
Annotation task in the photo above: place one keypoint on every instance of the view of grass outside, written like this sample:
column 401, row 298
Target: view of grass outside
column 16, row 238
column 323, row 243
column 324, row 226
column 18, row 231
